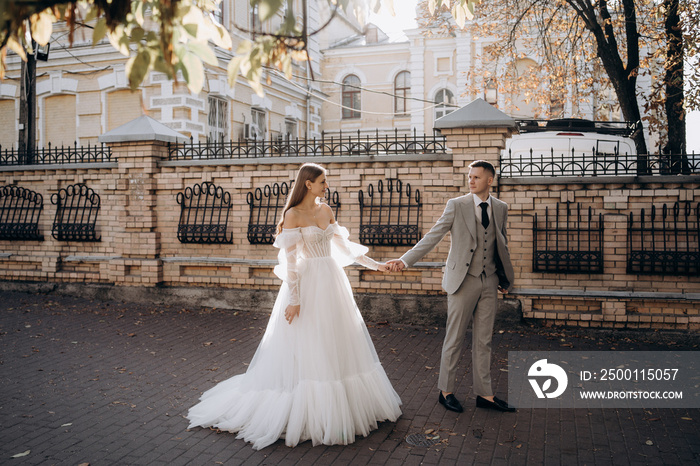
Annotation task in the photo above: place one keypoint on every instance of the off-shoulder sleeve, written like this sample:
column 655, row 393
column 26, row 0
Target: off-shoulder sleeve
column 347, row 252
column 288, row 241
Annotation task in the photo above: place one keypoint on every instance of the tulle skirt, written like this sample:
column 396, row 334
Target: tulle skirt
column 316, row 379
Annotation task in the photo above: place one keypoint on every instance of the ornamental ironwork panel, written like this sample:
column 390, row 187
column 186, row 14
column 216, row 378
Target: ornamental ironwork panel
column 56, row 155
column 390, row 217
column 594, row 163
column 665, row 244
column 77, row 207
column 266, row 206
column 20, row 210
column 204, row 212
column 341, row 144
column 570, row 240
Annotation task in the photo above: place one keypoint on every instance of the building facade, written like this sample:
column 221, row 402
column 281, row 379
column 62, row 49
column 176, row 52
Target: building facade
column 363, row 80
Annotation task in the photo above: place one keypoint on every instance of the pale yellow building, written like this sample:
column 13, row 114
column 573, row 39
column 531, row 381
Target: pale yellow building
column 364, row 80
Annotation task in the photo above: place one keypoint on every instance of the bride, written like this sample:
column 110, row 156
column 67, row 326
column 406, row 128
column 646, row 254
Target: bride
column 315, row 374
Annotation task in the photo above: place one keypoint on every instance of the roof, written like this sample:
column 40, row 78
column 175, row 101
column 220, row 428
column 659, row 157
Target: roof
column 143, row 128
column 477, row 113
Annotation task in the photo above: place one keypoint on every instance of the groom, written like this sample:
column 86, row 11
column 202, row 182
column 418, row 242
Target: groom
column 478, row 266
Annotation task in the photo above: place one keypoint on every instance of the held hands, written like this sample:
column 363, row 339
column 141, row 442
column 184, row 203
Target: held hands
column 291, row 312
column 396, row 265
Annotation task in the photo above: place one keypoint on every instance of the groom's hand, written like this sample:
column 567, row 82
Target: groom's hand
column 396, row 265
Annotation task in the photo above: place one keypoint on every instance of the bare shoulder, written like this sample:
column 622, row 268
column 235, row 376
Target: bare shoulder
column 291, row 218
column 327, row 213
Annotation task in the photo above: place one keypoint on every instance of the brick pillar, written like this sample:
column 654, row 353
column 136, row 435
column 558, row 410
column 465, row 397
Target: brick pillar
column 477, row 131
column 475, row 143
column 137, row 243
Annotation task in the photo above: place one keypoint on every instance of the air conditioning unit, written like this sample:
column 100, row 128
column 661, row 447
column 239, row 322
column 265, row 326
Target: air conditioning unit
column 252, row 131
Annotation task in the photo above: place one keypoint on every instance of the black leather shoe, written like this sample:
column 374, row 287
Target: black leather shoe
column 497, row 404
column 450, row 403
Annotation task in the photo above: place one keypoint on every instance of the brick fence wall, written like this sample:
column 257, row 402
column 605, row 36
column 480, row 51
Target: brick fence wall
column 139, row 217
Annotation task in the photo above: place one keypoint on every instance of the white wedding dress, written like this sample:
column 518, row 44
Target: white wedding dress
column 318, row 378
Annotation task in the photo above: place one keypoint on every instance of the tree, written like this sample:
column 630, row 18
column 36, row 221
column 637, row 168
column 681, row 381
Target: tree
column 174, row 36
column 589, row 48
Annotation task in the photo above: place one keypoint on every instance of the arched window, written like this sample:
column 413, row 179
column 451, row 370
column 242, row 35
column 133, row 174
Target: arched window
column 402, row 88
column 445, row 103
column 351, row 97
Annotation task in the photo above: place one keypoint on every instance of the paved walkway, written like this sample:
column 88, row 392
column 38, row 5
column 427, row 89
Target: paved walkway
column 108, row 383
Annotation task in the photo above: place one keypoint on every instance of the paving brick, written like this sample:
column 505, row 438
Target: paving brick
column 124, row 375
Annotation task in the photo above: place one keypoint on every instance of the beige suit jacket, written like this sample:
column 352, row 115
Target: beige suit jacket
column 459, row 218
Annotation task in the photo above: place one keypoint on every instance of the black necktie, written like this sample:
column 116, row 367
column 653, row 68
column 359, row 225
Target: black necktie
column 484, row 214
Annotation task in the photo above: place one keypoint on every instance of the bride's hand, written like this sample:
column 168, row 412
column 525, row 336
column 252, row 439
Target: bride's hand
column 384, row 267
column 291, row 312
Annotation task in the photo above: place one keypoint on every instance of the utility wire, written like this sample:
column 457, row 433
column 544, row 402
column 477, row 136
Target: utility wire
column 366, row 111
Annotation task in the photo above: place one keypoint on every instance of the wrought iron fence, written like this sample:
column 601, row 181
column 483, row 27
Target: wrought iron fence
column 20, row 210
column 665, row 244
column 204, row 214
column 266, row 207
column 77, row 207
column 393, row 219
column 595, row 163
column 344, row 144
column 568, row 241
column 56, row 155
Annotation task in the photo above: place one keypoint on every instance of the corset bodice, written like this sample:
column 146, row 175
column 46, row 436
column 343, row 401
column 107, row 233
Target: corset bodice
column 316, row 242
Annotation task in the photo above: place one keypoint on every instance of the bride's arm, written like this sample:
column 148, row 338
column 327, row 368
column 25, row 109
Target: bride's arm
column 355, row 251
column 294, row 307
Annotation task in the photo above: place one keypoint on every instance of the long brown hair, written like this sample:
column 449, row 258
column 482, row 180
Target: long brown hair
column 308, row 171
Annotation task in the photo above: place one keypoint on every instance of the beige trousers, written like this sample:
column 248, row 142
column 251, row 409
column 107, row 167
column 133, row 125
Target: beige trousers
column 477, row 300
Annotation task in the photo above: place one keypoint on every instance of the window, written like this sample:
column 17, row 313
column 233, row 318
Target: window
column 351, row 97
column 444, row 65
column 218, row 119
column 445, row 103
column 259, row 122
column 402, row 87
column 290, row 128
column 219, row 13
column 255, row 25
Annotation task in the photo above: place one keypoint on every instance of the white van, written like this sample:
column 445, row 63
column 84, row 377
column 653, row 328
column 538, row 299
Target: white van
column 569, row 147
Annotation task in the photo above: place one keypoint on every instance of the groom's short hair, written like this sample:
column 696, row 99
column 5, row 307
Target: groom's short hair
column 485, row 165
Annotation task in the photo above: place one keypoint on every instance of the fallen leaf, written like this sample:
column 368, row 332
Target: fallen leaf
column 649, row 442
column 429, row 431
column 20, row 455
column 208, row 343
column 66, row 425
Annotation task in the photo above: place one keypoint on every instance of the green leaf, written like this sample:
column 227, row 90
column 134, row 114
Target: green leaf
column 138, row 10
column 234, row 67
column 137, row 34
column 191, row 29
column 195, row 72
column 459, row 14
column 137, row 68
column 41, row 25
column 119, row 40
column 203, row 51
column 100, row 30
column 268, row 8
column 91, row 14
